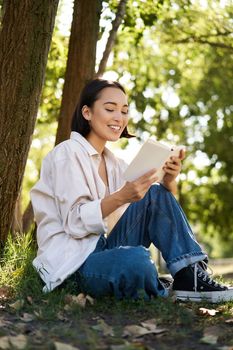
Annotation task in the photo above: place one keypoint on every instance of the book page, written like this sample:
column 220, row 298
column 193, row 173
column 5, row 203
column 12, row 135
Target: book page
column 152, row 154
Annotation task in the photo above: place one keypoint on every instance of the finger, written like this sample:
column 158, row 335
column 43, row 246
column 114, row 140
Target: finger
column 171, row 172
column 147, row 175
column 173, row 165
column 148, row 181
column 182, row 154
column 174, row 159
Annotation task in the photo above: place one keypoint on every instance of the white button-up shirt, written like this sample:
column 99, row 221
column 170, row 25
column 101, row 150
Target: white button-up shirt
column 67, row 207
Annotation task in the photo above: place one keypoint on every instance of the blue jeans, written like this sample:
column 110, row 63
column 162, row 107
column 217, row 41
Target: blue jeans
column 121, row 265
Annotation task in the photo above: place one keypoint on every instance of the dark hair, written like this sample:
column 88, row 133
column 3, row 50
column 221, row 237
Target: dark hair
column 89, row 95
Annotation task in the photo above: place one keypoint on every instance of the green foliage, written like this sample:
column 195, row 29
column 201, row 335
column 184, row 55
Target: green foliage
column 18, row 253
column 179, row 77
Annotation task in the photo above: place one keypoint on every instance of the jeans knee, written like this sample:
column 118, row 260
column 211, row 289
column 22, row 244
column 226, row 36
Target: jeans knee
column 137, row 262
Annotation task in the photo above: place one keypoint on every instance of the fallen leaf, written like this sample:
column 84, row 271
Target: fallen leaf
column 29, row 299
column 6, row 292
column 63, row 346
column 4, row 323
column 62, row 317
column 17, row 305
column 4, row 343
column 103, row 327
column 207, row 312
column 18, row 341
column 27, row 317
column 38, row 314
column 139, row 331
column 210, row 335
column 209, row 339
column 229, row 321
column 22, row 327
column 90, row 299
column 67, row 307
column 125, row 346
column 151, row 326
column 80, row 299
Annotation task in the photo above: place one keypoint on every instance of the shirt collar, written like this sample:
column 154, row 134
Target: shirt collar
column 88, row 147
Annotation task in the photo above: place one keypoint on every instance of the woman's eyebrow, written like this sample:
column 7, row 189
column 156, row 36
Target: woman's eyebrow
column 114, row 103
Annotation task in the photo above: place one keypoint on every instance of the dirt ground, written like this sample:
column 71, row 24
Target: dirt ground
column 68, row 324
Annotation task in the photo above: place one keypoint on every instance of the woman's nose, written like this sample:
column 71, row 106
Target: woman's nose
column 117, row 116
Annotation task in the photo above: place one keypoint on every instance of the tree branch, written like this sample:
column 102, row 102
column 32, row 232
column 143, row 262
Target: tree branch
column 203, row 41
column 112, row 36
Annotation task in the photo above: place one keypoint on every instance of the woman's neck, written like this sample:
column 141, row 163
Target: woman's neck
column 96, row 143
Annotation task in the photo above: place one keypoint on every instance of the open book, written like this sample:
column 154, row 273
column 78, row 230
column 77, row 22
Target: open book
column 152, row 154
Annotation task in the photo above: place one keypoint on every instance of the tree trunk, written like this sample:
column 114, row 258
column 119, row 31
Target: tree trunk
column 24, row 43
column 28, row 217
column 17, row 224
column 80, row 68
column 112, row 37
column 81, row 60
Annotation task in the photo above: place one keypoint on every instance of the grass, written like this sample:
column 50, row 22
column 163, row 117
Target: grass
column 53, row 321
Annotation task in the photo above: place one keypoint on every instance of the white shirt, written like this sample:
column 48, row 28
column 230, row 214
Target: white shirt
column 66, row 203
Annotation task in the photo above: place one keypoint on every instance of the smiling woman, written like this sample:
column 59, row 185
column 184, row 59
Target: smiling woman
column 109, row 98
column 94, row 227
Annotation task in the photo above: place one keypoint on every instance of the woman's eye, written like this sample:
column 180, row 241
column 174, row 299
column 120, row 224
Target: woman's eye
column 125, row 113
column 109, row 110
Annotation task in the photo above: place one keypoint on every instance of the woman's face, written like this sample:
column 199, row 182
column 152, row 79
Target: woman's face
column 108, row 117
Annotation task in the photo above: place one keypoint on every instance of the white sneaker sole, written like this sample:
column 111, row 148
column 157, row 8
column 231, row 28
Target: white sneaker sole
column 211, row 297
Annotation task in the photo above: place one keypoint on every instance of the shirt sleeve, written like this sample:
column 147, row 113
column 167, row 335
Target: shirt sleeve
column 80, row 213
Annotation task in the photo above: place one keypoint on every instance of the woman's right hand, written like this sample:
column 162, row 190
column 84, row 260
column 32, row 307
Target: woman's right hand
column 135, row 190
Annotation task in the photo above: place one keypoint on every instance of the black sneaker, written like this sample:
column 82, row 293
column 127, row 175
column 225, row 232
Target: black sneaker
column 166, row 282
column 194, row 283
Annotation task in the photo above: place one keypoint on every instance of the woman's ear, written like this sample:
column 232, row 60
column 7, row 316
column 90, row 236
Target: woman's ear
column 86, row 112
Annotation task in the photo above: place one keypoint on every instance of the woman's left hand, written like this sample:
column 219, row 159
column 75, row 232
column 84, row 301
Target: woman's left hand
column 172, row 169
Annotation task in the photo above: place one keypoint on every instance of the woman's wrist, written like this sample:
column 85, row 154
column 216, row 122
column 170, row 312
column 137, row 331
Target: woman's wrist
column 119, row 197
column 171, row 186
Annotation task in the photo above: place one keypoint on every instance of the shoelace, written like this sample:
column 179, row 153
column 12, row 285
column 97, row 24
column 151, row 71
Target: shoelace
column 199, row 272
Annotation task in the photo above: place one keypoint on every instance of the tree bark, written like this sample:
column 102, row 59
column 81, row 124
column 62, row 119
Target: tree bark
column 24, row 43
column 81, row 60
column 112, row 36
column 80, row 68
column 28, row 217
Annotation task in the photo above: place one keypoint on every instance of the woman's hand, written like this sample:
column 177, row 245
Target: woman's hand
column 131, row 192
column 172, row 169
column 135, row 190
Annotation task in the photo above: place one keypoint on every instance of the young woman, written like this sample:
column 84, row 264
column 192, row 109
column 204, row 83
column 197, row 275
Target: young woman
column 96, row 228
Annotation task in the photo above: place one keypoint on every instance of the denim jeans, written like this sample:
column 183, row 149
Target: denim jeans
column 121, row 265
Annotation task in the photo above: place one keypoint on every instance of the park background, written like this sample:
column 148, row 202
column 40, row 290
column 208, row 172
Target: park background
column 175, row 60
